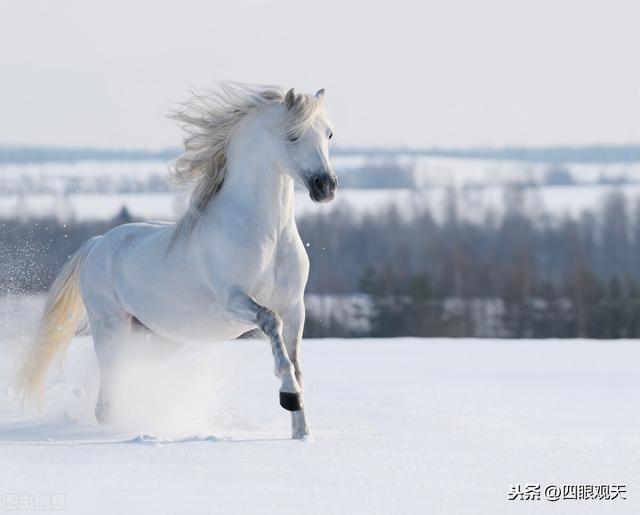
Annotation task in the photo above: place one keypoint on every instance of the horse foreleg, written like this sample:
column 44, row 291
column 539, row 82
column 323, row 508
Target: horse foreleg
column 244, row 308
column 293, row 321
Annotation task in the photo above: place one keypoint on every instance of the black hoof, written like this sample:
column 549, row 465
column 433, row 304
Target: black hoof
column 291, row 401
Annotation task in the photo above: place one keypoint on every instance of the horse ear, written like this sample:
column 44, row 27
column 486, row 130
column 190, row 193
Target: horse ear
column 290, row 99
column 320, row 94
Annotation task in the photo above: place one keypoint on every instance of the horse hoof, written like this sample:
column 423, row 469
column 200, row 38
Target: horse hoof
column 304, row 435
column 291, row 401
column 103, row 414
column 103, row 418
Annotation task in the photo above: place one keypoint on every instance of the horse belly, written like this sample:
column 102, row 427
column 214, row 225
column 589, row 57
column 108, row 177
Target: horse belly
column 195, row 320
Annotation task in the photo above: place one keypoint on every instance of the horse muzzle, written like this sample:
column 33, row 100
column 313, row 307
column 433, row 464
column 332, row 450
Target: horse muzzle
column 322, row 187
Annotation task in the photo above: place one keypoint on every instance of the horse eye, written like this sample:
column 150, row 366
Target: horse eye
column 293, row 139
column 330, row 135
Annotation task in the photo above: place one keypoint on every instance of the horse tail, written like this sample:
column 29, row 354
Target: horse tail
column 63, row 314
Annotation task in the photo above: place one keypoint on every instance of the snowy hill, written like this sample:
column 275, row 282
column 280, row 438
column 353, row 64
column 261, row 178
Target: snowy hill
column 90, row 190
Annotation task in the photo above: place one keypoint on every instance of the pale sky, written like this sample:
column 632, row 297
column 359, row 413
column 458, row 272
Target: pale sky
column 421, row 74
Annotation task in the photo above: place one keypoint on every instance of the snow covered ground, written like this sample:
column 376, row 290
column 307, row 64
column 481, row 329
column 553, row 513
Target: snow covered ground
column 474, row 203
column 89, row 190
column 101, row 175
column 406, row 426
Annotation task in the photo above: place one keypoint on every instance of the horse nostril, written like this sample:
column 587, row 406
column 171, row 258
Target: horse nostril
column 318, row 183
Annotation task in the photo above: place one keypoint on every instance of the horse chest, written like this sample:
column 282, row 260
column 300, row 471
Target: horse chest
column 284, row 276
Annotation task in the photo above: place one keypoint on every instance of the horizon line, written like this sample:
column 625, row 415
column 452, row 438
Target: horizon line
column 593, row 153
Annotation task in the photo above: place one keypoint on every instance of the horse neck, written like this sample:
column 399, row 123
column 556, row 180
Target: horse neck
column 254, row 188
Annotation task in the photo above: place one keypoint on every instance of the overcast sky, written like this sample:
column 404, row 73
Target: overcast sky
column 421, row 73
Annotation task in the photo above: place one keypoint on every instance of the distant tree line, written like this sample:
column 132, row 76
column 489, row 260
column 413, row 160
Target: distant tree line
column 32, row 251
column 384, row 175
column 517, row 275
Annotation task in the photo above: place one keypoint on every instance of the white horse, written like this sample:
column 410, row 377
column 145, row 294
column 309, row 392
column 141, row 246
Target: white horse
column 234, row 262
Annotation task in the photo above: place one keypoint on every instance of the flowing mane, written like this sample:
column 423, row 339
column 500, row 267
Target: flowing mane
column 209, row 121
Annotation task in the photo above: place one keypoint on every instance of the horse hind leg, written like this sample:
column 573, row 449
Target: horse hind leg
column 153, row 345
column 110, row 331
